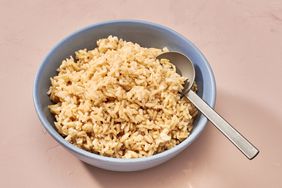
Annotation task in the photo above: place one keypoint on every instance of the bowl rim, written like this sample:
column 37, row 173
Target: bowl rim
column 51, row 130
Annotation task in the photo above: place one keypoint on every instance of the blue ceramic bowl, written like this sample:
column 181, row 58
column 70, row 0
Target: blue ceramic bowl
column 146, row 34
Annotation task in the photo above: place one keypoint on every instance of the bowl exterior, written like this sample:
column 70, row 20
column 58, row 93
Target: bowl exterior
column 146, row 34
column 126, row 167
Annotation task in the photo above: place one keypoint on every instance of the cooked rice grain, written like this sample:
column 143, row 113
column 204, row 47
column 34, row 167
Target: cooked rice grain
column 118, row 100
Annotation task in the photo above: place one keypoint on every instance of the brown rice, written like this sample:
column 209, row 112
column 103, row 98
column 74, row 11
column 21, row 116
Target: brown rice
column 118, row 100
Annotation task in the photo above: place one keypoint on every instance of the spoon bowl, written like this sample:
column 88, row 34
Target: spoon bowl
column 181, row 63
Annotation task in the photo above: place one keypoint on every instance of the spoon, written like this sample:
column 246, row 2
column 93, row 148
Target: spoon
column 184, row 65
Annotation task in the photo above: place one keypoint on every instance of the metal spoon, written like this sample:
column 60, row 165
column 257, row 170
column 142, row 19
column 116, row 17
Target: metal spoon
column 185, row 67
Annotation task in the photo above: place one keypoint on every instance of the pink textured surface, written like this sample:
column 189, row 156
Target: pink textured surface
column 242, row 41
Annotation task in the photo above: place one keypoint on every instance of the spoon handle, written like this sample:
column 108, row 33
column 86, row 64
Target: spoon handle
column 232, row 134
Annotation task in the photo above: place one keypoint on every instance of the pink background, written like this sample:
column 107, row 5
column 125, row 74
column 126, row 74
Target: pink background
column 242, row 39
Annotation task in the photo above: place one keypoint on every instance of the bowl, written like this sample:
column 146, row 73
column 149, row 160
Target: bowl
column 146, row 34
